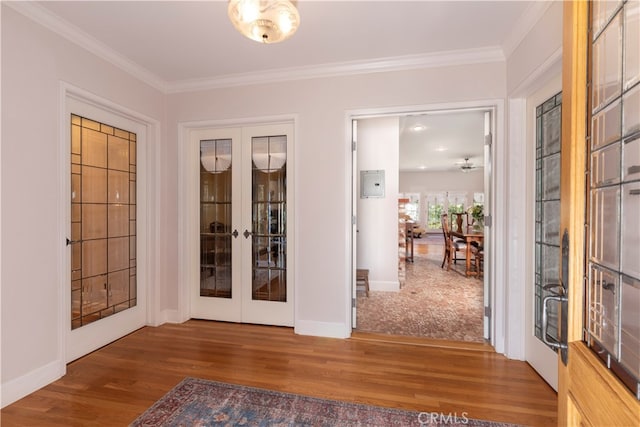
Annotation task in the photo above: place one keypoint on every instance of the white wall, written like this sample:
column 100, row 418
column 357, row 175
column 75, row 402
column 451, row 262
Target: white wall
column 323, row 163
column 537, row 48
column 423, row 182
column 34, row 63
column 377, row 218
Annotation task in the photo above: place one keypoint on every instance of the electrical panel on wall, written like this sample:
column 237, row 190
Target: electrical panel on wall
column 371, row 184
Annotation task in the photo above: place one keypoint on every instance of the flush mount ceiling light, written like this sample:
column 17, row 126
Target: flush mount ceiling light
column 265, row 21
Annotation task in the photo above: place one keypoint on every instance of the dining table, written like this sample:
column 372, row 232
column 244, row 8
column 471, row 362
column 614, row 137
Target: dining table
column 469, row 236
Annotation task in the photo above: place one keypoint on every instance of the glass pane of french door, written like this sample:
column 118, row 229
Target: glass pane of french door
column 268, row 218
column 103, row 220
column 215, row 218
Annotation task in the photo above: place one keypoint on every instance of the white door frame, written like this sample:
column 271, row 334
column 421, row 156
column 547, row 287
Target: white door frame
column 496, row 254
column 190, row 192
column 521, row 268
column 147, row 310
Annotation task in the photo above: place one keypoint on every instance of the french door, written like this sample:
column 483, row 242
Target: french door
column 242, row 232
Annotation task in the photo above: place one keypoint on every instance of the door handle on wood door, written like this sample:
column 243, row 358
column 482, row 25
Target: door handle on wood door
column 545, row 321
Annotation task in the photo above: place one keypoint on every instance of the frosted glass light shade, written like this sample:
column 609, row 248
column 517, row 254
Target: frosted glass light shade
column 269, row 162
column 265, row 21
column 215, row 164
column 269, row 154
column 215, row 155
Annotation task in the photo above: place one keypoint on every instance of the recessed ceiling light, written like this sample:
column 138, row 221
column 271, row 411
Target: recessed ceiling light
column 418, row 128
column 441, row 148
column 422, row 167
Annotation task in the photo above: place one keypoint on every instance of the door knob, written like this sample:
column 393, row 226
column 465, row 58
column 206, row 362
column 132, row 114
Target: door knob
column 68, row 242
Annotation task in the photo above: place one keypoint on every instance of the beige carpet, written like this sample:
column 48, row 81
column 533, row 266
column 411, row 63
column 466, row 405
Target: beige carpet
column 434, row 303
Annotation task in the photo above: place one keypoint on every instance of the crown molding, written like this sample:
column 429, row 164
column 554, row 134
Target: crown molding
column 409, row 62
column 524, row 25
column 49, row 20
column 53, row 22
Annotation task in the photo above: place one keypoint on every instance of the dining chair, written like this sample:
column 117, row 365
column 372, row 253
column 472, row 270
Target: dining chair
column 461, row 222
column 451, row 246
column 478, row 259
column 362, row 279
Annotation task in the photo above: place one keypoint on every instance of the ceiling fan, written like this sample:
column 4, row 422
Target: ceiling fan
column 466, row 166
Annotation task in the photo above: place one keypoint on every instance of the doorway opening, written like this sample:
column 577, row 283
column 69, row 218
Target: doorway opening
column 436, row 162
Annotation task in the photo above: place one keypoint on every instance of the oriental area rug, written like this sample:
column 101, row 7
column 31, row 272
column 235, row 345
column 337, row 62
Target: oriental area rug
column 434, row 303
column 197, row 402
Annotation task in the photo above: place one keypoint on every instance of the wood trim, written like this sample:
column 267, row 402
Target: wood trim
column 616, row 406
column 572, row 187
column 574, row 60
column 421, row 341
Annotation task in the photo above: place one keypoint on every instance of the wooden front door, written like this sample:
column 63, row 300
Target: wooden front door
column 589, row 392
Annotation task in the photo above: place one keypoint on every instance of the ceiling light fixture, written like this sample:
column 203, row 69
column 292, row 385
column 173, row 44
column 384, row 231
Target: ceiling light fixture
column 466, row 166
column 265, row 21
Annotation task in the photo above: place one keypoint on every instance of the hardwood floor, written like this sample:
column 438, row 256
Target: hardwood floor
column 113, row 385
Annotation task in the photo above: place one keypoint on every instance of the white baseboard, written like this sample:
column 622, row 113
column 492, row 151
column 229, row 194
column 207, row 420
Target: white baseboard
column 379, row 285
column 20, row 387
column 170, row 316
column 322, row 329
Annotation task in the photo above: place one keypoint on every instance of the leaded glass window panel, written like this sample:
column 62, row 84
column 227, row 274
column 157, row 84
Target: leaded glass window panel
column 103, row 229
column 612, row 324
column 547, row 212
column 215, row 218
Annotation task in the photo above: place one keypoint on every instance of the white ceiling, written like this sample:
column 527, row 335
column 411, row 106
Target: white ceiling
column 441, row 141
column 185, row 45
column 179, row 41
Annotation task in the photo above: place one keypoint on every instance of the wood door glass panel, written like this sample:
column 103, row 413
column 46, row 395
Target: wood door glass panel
column 612, row 323
column 215, row 218
column 103, row 273
column 547, row 213
column 269, row 213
